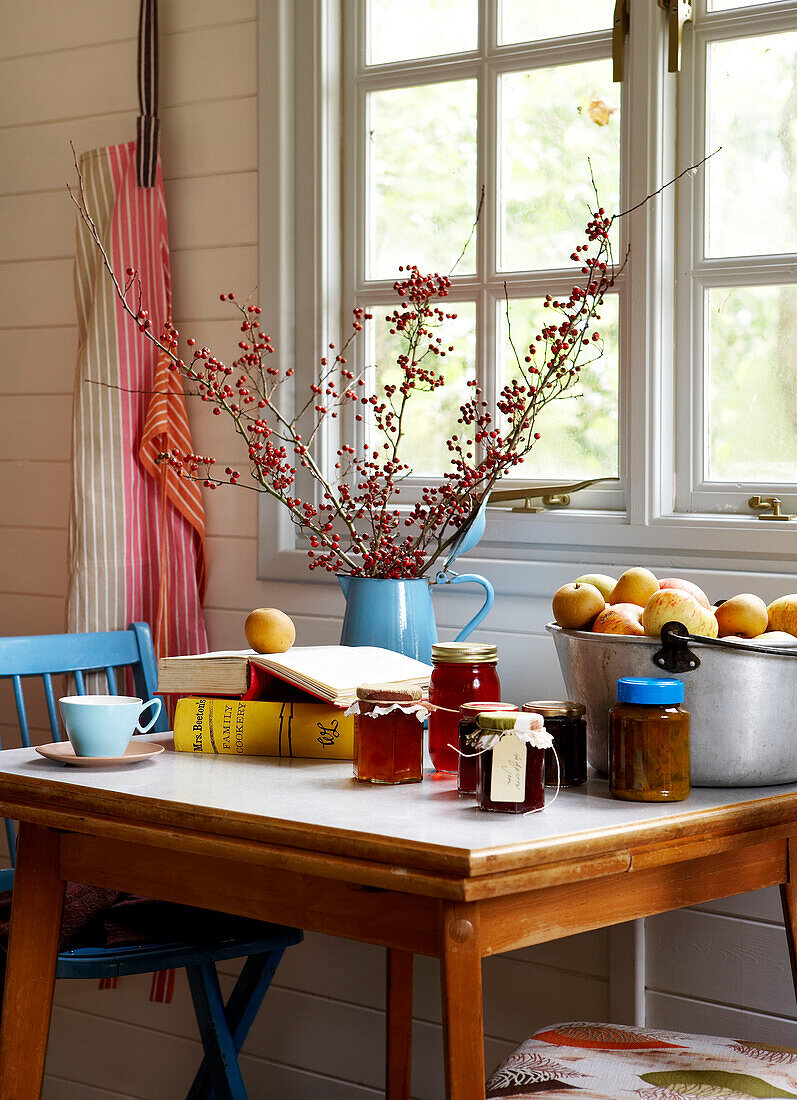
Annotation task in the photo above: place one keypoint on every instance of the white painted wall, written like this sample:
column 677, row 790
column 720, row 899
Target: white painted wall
column 67, row 70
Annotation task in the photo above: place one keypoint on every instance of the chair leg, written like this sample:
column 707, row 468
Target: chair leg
column 221, row 1057
column 239, row 1012
column 398, row 1071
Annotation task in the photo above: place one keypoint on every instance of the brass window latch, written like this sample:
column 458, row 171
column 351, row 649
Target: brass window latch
column 552, row 496
column 768, row 502
column 679, row 12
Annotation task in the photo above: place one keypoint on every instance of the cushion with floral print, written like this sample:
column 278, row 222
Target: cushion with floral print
column 581, row 1061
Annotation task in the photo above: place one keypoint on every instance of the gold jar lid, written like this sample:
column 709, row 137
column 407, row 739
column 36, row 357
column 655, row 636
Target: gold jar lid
column 465, row 653
column 468, row 709
column 401, row 692
column 555, row 708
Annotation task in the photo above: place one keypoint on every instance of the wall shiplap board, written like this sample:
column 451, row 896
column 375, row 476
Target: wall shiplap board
column 67, row 72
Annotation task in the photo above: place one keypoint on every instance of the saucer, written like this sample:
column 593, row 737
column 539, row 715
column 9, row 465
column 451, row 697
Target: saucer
column 63, row 752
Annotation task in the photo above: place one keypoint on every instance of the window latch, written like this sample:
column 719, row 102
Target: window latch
column 768, row 502
column 552, row 496
column 679, row 12
column 620, row 28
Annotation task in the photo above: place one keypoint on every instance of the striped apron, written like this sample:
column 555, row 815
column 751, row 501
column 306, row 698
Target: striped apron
column 136, row 529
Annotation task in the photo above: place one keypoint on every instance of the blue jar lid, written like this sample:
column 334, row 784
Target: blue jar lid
column 641, row 689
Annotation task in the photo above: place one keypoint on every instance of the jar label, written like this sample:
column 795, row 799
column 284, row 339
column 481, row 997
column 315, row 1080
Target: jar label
column 508, row 783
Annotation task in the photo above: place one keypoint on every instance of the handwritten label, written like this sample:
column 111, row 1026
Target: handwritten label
column 508, row 783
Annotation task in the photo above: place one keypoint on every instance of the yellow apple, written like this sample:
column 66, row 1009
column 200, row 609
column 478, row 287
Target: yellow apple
column 745, row 614
column 575, row 606
column 619, row 618
column 775, row 637
column 686, row 586
column 636, row 585
column 674, row 605
column 783, row 614
column 269, row 630
column 604, row 584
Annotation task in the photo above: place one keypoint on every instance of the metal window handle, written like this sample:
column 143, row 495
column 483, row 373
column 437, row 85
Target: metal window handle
column 620, row 29
column 680, row 12
column 769, row 502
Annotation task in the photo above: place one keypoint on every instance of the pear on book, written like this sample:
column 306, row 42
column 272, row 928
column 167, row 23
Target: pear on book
column 269, row 630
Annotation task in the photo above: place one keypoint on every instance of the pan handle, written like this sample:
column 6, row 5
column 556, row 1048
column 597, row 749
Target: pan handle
column 676, row 656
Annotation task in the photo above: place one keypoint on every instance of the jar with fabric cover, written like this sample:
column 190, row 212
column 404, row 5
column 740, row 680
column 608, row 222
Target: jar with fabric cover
column 388, row 733
column 462, row 672
column 468, row 762
column 511, row 751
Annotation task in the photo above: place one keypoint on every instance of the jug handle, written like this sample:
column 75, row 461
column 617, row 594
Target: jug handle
column 489, row 599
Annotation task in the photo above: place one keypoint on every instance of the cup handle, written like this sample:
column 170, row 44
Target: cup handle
column 489, row 599
column 149, row 703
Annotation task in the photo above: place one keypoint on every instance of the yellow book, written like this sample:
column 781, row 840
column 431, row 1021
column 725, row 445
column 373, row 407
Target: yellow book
column 262, row 728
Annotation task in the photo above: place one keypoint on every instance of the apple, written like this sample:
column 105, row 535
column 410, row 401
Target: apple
column 782, row 614
column 619, row 618
column 636, row 585
column 269, row 630
column 775, row 637
column 745, row 614
column 603, row 583
column 575, row 606
column 687, row 586
column 674, row 605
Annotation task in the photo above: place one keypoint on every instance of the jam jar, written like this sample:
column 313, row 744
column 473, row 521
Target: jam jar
column 462, row 672
column 468, row 761
column 511, row 762
column 567, row 725
column 388, row 734
column 649, row 741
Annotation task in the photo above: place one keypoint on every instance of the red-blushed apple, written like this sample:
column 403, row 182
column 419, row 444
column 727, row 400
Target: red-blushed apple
column 576, row 606
column 619, row 618
column 636, row 585
column 687, row 586
column 674, row 605
column 782, row 614
column 605, row 585
column 745, row 614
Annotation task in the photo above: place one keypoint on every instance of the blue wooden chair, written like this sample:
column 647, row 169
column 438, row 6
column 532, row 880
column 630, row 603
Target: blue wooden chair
column 222, row 1028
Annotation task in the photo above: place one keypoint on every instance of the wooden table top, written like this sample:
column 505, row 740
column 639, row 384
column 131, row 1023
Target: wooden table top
column 317, row 806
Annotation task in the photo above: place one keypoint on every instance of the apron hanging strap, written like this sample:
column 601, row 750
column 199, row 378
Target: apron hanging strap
column 148, row 124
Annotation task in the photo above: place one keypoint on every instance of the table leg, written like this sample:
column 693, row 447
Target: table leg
column 37, row 905
column 788, row 899
column 398, row 1071
column 461, row 976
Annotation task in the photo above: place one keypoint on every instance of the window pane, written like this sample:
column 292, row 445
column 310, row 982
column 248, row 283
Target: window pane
column 421, row 178
column 431, row 417
column 528, row 20
column 752, row 114
column 752, row 384
column 725, row 5
column 579, row 430
column 420, row 28
column 551, row 121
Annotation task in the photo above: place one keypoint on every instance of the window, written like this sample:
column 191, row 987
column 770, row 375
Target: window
column 693, row 406
column 737, row 287
column 452, row 100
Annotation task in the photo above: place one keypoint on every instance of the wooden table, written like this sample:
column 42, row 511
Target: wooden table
column 413, row 868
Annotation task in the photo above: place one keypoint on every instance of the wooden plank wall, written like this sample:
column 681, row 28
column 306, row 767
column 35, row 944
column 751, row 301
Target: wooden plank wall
column 67, row 71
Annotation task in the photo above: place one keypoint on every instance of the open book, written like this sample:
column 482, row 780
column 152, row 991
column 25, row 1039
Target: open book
column 329, row 672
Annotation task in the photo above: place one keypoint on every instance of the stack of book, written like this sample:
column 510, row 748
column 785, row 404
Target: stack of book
column 276, row 704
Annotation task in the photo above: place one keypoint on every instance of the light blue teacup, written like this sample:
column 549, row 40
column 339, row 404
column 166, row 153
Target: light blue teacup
column 102, row 725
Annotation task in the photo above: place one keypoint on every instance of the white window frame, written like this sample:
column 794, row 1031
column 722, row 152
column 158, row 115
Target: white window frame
column 300, row 238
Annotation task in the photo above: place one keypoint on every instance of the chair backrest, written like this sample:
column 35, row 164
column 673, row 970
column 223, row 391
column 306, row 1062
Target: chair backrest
column 48, row 655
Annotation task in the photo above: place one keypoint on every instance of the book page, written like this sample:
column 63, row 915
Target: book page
column 344, row 667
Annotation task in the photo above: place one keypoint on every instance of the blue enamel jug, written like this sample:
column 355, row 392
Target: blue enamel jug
column 398, row 614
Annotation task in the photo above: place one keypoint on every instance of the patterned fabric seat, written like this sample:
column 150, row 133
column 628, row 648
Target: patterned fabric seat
column 580, row 1061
